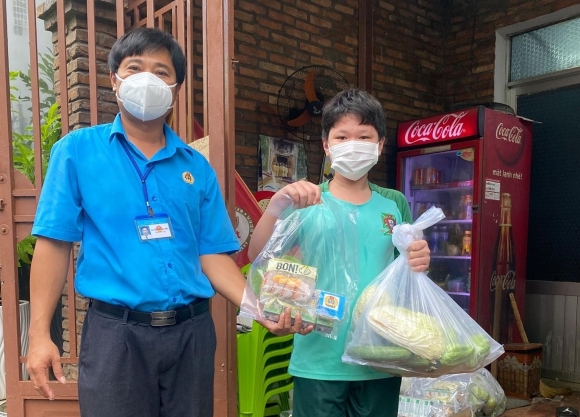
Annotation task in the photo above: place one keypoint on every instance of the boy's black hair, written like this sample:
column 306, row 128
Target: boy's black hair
column 358, row 102
column 141, row 40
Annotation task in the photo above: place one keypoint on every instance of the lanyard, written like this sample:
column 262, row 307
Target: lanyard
column 142, row 176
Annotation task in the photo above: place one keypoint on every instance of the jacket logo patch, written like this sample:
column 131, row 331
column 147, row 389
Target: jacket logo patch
column 389, row 222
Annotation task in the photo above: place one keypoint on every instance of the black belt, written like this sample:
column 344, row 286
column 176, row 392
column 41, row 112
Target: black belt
column 155, row 318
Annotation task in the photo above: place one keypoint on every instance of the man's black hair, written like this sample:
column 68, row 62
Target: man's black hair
column 141, row 40
column 357, row 102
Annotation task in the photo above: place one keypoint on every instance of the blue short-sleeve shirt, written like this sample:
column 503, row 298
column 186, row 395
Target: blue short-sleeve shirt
column 92, row 193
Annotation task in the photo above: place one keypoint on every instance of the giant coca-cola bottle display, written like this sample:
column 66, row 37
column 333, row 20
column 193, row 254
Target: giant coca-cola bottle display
column 474, row 164
column 503, row 278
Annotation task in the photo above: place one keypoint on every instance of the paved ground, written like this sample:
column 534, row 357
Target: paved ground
column 545, row 409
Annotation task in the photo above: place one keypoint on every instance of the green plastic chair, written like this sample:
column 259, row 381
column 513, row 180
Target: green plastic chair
column 263, row 380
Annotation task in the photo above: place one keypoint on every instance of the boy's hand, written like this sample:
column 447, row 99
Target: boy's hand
column 299, row 194
column 419, row 256
column 284, row 325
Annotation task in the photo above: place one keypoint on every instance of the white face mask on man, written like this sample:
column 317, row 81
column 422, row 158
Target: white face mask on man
column 353, row 159
column 145, row 96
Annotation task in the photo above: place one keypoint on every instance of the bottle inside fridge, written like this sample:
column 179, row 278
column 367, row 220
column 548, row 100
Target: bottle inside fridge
column 445, row 180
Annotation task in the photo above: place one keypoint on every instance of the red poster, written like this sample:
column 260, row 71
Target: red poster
column 503, row 215
column 248, row 212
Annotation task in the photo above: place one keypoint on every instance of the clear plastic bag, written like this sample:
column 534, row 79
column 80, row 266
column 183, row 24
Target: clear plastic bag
column 406, row 325
column 307, row 266
column 448, row 394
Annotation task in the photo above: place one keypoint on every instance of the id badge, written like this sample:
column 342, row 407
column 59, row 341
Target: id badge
column 156, row 227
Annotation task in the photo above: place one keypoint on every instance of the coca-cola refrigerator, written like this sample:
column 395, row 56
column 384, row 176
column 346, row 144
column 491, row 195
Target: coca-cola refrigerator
column 474, row 164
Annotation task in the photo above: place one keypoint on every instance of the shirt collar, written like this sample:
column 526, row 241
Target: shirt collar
column 172, row 141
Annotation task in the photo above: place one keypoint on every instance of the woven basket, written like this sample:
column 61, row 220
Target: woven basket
column 520, row 369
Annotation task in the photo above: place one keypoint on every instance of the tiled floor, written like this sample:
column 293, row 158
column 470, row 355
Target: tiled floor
column 545, row 409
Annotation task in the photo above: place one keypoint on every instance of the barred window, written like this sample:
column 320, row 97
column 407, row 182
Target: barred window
column 20, row 13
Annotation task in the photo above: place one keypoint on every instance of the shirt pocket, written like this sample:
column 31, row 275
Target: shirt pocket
column 184, row 203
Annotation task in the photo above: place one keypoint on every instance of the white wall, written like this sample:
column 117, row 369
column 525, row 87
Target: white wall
column 553, row 318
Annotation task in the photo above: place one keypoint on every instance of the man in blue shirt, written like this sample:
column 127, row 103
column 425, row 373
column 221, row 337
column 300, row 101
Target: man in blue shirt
column 148, row 340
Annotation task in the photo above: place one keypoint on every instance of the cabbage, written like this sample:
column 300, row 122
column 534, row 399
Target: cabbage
column 362, row 301
column 418, row 332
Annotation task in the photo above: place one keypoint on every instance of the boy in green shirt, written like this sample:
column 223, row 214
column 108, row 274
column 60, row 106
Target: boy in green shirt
column 353, row 135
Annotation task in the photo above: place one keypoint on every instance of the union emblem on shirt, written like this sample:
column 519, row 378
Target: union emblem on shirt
column 389, row 222
column 187, row 177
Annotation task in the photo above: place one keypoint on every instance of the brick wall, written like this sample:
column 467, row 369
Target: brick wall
column 77, row 58
column 407, row 68
column 470, row 44
column 428, row 56
column 272, row 40
column 275, row 38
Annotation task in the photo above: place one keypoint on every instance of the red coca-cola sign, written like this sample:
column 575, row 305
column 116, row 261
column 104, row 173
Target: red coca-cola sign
column 509, row 142
column 442, row 128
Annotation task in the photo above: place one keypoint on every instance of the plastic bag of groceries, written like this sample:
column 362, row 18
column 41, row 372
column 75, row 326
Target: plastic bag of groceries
column 307, row 266
column 406, row 325
column 450, row 394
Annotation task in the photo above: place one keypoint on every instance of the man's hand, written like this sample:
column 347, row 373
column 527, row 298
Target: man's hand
column 284, row 325
column 43, row 354
column 47, row 278
column 419, row 256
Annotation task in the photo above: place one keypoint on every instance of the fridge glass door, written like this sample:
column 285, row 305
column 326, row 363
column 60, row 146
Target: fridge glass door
column 445, row 180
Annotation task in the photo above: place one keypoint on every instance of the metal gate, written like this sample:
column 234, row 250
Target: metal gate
column 82, row 31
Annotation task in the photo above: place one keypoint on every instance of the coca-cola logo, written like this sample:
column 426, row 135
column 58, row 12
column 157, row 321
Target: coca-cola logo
column 505, row 282
column 447, row 127
column 513, row 134
column 509, row 143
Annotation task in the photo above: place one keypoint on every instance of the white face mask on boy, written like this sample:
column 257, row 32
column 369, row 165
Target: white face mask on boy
column 145, row 96
column 353, row 159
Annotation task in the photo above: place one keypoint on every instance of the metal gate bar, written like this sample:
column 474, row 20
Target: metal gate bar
column 7, row 233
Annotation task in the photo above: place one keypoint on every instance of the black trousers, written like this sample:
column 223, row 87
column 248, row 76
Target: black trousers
column 134, row 370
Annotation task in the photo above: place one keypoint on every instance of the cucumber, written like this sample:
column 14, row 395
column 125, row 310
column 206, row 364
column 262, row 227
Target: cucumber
column 418, row 362
column 456, row 354
column 482, row 349
column 380, row 353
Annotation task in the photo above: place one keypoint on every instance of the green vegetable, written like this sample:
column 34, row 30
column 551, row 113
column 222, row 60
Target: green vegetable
column 490, row 404
column 362, row 301
column 418, row 362
column 479, row 393
column 380, row 353
column 456, row 354
column 481, row 345
column 256, row 275
column 418, row 332
column 482, row 349
column 474, row 401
